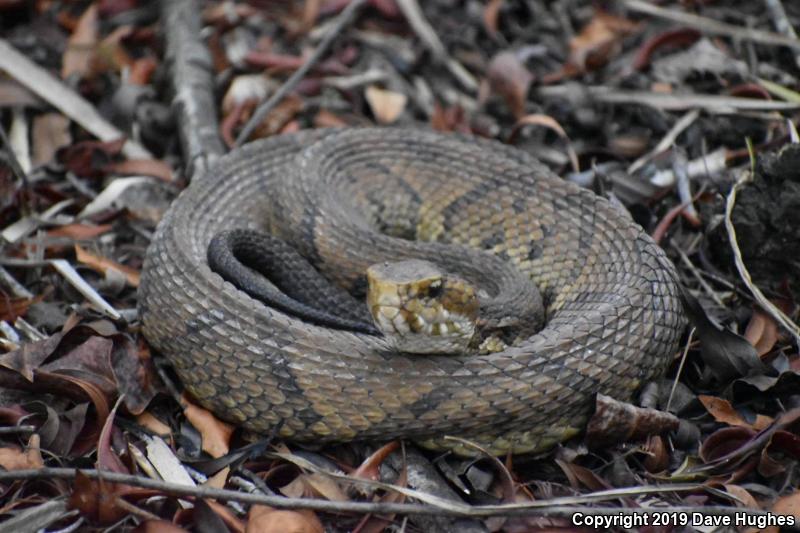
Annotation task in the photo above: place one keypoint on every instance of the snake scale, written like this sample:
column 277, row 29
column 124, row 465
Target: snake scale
column 614, row 314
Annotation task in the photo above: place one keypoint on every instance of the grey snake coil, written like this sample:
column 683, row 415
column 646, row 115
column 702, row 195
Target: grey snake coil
column 614, row 313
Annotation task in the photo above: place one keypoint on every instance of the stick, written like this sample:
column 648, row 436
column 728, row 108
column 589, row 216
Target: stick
column 55, row 92
column 341, row 22
column 710, row 26
column 552, row 507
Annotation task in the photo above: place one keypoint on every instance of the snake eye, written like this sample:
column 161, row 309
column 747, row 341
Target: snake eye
column 435, row 289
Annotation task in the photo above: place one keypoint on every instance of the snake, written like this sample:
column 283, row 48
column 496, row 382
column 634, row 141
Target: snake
column 349, row 199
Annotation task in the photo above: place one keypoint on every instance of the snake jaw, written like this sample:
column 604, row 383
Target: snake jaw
column 419, row 309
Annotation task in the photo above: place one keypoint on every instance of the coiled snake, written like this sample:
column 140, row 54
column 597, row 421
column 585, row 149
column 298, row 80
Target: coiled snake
column 350, row 198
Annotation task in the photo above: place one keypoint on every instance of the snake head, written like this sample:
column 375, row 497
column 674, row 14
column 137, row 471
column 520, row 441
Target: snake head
column 420, row 309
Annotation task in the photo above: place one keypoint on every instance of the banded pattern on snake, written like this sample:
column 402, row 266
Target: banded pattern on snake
column 347, row 199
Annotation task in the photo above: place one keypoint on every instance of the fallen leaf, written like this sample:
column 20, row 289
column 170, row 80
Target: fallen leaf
column 727, row 354
column 671, row 39
column 148, row 421
column 14, row 458
column 263, row 519
column 80, row 231
column 81, row 46
column 158, row 526
column 762, row 331
column 89, row 159
column 216, row 433
column 142, row 167
column 723, row 412
column 491, row 13
column 788, row 505
column 315, row 485
column 50, row 133
column 386, row 106
column 509, row 78
column 102, row 264
column 599, row 41
column 551, row 124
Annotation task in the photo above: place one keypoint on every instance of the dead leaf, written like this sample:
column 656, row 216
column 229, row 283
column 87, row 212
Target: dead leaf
column 599, row 41
column 158, row 526
column 723, row 412
column 80, row 231
column 788, row 505
column 727, row 354
column 216, row 434
column 551, row 124
column 672, row 39
column 386, row 106
column 50, row 133
column 102, row 264
column 370, row 467
column 89, row 159
column 14, row 458
column 96, row 500
column 82, row 45
column 491, row 13
column 762, row 331
column 263, row 519
column 150, row 422
column 509, row 78
column 741, row 494
column 107, row 459
column 142, row 167
column 656, row 454
column 315, row 485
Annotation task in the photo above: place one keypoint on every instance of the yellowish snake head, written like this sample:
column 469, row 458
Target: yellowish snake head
column 420, row 309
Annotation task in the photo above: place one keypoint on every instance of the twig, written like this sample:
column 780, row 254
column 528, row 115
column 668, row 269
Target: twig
column 782, row 23
column 13, row 430
column 680, row 370
column 710, row 26
column 668, row 140
column 55, row 92
column 762, row 300
column 554, row 507
column 426, row 33
column 668, row 102
column 13, row 162
column 341, row 22
column 192, row 85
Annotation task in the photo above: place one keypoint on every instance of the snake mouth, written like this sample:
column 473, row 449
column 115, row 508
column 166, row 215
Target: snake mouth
column 420, row 309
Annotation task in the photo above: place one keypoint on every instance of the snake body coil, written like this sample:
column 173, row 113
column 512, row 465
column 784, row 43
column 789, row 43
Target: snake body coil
column 614, row 315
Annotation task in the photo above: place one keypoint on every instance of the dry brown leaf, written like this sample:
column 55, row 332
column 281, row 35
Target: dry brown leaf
column 216, row 434
column 741, row 494
column 101, row 264
column 657, row 455
column 509, row 78
column 723, row 412
column 13, row 458
column 386, row 106
column 551, row 124
column 159, row 526
column 142, row 167
column 490, row 15
column 79, row 231
column 156, row 426
column 788, row 505
column 599, row 41
column 762, row 332
column 263, row 519
column 82, row 45
column 314, row 485
column 50, row 132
